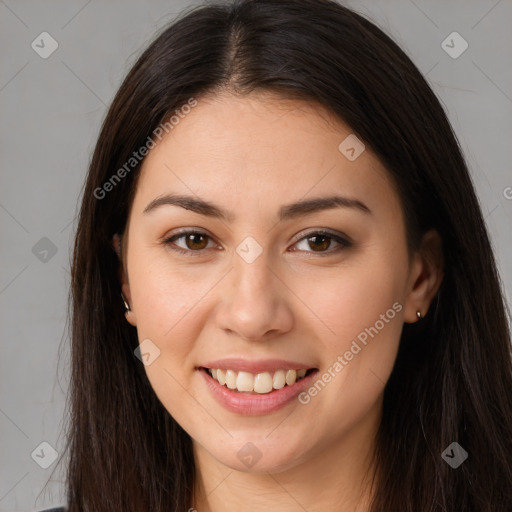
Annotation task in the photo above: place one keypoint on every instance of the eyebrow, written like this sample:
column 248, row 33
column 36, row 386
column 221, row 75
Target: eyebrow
column 286, row 212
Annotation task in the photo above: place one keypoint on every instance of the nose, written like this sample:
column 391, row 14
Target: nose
column 255, row 303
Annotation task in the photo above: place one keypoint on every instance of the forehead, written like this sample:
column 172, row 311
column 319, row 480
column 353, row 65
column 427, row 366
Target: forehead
column 250, row 151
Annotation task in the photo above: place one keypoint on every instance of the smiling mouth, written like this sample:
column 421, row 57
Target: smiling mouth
column 257, row 384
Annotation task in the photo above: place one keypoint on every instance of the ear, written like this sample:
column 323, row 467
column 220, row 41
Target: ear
column 425, row 277
column 123, row 279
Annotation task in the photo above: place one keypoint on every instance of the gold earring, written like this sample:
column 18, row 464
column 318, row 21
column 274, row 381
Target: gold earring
column 418, row 314
column 127, row 307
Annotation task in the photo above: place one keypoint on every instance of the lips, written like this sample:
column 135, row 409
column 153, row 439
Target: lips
column 256, row 387
column 254, row 367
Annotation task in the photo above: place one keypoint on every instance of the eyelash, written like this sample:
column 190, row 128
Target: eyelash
column 343, row 241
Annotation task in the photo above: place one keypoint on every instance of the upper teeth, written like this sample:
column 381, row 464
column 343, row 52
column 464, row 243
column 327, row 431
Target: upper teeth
column 260, row 383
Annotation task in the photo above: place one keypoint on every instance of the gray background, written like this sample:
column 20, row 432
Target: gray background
column 51, row 110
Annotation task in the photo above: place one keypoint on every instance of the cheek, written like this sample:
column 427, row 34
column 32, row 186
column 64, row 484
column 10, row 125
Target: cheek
column 168, row 306
column 165, row 297
column 361, row 312
column 350, row 299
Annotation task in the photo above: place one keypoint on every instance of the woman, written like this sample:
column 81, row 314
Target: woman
column 284, row 295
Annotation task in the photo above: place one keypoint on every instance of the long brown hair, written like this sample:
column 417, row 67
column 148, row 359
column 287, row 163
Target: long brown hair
column 452, row 380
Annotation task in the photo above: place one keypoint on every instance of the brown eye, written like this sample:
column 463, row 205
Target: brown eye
column 322, row 243
column 319, row 242
column 196, row 241
column 189, row 242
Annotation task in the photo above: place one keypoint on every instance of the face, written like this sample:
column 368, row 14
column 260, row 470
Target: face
column 257, row 247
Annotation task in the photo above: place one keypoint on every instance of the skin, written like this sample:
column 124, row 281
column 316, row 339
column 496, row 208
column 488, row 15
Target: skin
column 251, row 155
